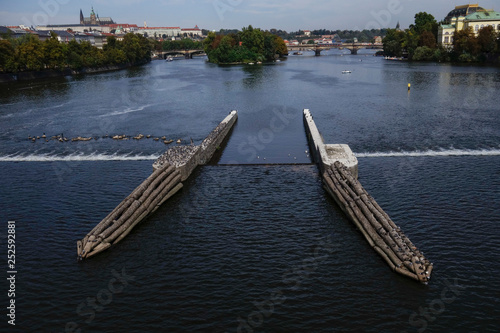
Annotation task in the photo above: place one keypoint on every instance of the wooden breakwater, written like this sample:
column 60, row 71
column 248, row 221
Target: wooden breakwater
column 169, row 171
column 339, row 172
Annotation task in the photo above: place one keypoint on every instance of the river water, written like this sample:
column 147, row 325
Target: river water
column 253, row 243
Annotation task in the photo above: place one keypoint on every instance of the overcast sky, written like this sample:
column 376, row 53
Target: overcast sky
column 290, row 15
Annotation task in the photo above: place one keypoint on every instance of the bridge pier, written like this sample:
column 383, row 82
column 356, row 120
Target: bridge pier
column 354, row 51
column 317, row 52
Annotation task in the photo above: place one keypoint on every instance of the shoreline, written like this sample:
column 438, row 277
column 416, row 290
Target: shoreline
column 46, row 74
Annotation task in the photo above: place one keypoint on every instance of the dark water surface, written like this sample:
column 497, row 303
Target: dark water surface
column 247, row 247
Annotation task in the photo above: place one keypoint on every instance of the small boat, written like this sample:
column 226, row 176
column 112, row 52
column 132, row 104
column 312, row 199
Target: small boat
column 170, row 58
column 297, row 53
column 346, row 72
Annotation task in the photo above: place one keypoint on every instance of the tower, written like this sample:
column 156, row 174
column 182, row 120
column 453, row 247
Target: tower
column 92, row 17
column 82, row 19
column 398, row 26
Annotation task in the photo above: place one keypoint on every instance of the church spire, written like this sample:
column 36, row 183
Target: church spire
column 398, row 26
column 82, row 20
column 93, row 20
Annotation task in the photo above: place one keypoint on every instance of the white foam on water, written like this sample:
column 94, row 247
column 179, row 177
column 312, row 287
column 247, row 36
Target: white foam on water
column 76, row 157
column 433, row 153
column 127, row 110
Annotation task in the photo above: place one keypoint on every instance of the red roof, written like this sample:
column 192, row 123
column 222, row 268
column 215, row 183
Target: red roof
column 159, row 27
column 124, row 25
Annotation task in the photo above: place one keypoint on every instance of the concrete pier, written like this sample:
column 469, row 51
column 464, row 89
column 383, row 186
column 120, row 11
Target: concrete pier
column 327, row 154
column 169, row 171
column 339, row 170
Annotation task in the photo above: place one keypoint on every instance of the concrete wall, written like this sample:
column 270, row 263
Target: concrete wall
column 327, row 154
column 213, row 141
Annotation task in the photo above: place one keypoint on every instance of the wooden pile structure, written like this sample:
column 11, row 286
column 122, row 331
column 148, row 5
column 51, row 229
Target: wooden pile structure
column 375, row 225
column 169, row 171
column 143, row 201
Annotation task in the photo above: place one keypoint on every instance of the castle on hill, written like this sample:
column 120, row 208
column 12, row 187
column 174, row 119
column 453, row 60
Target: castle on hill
column 94, row 19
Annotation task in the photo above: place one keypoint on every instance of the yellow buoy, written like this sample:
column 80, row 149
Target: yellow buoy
column 409, row 86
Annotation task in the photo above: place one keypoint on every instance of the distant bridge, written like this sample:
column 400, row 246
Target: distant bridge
column 188, row 54
column 353, row 47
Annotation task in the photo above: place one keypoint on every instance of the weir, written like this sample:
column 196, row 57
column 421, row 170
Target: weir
column 169, row 171
column 339, row 169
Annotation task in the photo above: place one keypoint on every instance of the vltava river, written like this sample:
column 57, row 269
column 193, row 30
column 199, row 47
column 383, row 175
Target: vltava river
column 253, row 243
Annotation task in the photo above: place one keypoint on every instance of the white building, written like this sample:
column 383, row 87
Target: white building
column 159, row 32
column 464, row 17
column 194, row 32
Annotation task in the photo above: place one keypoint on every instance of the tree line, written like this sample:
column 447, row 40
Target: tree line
column 28, row 53
column 419, row 43
column 248, row 45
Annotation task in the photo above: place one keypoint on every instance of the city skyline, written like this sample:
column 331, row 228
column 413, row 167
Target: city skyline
column 290, row 15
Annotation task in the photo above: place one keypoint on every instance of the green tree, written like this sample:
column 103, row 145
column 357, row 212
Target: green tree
column 54, row 53
column 428, row 39
column 465, row 43
column 208, row 42
column 111, row 42
column 136, row 48
column 393, row 43
column 423, row 53
column 252, row 39
column 115, row 56
column 187, row 44
column 6, row 55
column 424, row 22
column 249, row 45
column 74, row 55
column 410, row 42
column 487, row 39
column 29, row 54
column 223, row 53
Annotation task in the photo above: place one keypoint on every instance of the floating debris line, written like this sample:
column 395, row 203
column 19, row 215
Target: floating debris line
column 117, row 137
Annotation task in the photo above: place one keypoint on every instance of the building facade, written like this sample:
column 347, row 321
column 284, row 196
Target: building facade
column 465, row 17
column 159, row 32
column 194, row 32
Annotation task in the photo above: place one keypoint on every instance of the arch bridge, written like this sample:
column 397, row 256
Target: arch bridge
column 353, row 47
column 188, row 54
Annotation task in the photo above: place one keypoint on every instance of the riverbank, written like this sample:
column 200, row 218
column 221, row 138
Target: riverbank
column 46, row 74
